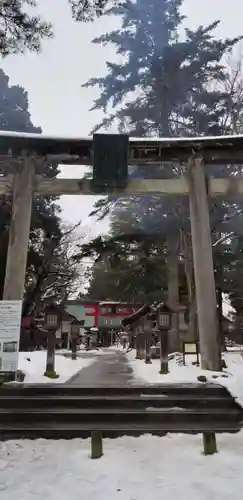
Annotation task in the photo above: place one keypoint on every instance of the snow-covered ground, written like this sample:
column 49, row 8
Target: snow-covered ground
column 142, row 468
column 97, row 352
column 232, row 376
column 33, row 364
column 169, row 467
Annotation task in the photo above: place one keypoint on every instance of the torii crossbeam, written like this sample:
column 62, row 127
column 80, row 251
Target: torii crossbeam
column 24, row 151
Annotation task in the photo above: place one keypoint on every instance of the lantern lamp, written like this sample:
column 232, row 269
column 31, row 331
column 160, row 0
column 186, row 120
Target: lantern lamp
column 164, row 314
column 52, row 318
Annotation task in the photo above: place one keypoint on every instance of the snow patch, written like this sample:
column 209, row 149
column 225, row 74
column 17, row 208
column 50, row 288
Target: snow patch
column 33, row 364
column 131, row 469
column 231, row 377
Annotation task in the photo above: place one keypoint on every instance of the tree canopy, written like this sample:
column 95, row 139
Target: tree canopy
column 21, row 27
column 50, row 266
column 165, row 85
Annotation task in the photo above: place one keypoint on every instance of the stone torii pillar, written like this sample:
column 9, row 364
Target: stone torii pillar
column 203, row 266
column 19, row 231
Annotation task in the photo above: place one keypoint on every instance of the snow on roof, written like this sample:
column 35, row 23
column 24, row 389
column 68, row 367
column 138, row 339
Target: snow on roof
column 217, row 149
column 137, row 315
column 88, row 139
column 110, row 302
column 42, row 137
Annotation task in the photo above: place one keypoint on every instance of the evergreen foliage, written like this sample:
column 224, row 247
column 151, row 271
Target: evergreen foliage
column 20, row 29
column 166, row 85
column 48, row 260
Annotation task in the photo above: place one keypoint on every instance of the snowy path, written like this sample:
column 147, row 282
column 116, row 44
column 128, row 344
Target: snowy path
column 109, row 369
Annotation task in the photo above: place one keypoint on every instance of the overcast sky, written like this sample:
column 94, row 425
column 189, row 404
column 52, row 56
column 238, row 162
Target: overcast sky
column 53, row 79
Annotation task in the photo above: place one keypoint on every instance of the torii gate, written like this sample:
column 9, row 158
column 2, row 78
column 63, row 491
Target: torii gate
column 24, row 151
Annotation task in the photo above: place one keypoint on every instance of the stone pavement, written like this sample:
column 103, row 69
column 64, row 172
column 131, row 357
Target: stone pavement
column 109, row 369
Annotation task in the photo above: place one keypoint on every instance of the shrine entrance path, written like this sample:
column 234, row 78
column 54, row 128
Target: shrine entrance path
column 110, row 368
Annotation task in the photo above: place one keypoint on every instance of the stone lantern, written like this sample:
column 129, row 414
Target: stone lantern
column 163, row 318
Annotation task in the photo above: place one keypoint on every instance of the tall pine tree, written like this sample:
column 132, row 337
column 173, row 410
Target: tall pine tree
column 167, row 73
column 166, row 85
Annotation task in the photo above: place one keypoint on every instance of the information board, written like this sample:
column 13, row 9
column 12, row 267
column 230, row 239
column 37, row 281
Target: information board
column 191, row 348
column 10, row 323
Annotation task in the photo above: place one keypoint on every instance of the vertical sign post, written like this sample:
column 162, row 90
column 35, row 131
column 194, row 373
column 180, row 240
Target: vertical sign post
column 10, row 324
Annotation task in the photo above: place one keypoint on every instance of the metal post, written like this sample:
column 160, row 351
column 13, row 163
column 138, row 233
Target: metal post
column 209, row 443
column 203, row 266
column 19, row 232
column 96, row 444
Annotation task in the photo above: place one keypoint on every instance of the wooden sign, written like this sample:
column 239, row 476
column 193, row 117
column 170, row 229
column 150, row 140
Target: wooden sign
column 190, row 348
